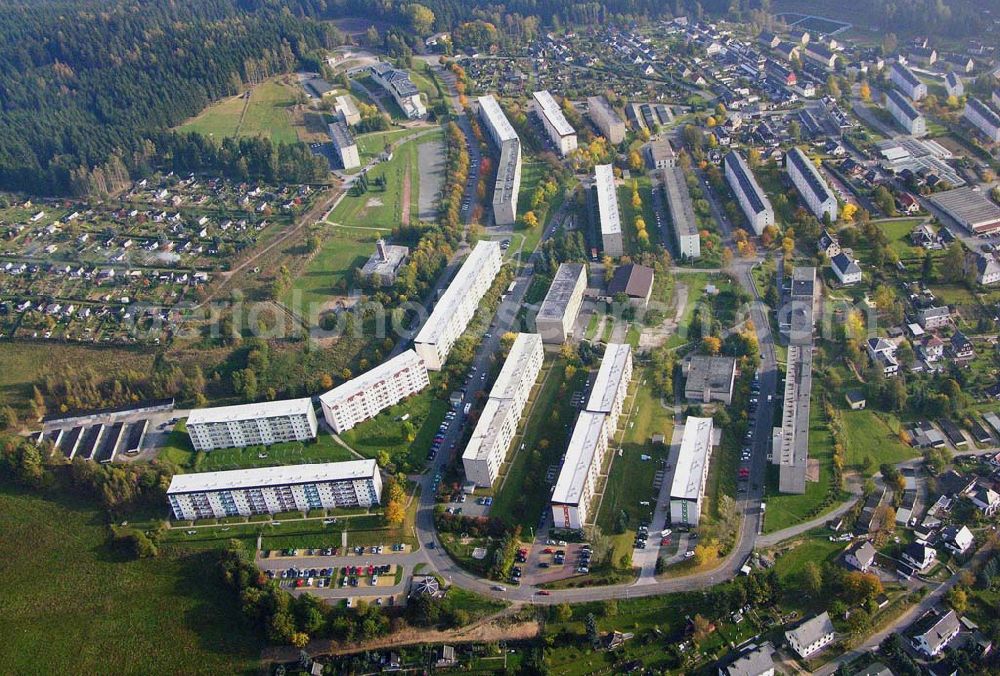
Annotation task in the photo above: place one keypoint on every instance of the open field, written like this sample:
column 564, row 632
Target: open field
column 88, row 611
column 331, row 268
column 790, row 566
column 266, row 115
column 875, row 435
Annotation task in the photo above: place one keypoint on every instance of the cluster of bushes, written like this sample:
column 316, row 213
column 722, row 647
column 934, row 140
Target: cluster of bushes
column 474, row 526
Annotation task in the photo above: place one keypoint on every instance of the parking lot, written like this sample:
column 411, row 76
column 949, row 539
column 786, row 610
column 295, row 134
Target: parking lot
column 551, row 560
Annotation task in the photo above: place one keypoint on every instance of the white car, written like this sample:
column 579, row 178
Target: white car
column 688, row 555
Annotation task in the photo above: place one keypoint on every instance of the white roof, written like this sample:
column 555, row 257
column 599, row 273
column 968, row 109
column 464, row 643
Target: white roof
column 587, row 434
column 264, row 409
column 521, row 352
column 271, row 476
column 494, row 113
column 692, row 458
column 550, row 109
column 484, row 436
column 430, row 332
column 383, row 371
column 561, row 290
column 607, row 200
column 609, row 377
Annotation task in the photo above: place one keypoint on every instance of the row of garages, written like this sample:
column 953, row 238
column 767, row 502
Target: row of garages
column 99, row 442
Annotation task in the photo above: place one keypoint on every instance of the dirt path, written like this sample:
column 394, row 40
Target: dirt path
column 405, row 198
column 243, row 113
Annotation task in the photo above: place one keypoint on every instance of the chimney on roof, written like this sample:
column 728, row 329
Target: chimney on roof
column 380, row 249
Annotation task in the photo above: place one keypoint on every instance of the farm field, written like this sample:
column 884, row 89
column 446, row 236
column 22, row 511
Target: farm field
column 163, row 615
column 266, row 115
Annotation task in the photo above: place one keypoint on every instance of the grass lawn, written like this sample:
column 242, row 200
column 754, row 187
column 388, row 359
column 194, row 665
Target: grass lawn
column 790, row 565
column 385, row 432
column 874, row 434
column 323, row 449
column 343, row 250
column 897, row 231
column 645, row 210
column 696, row 283
column 266, row 115
column 370, row 145
column 91, row 613
column 592, row 323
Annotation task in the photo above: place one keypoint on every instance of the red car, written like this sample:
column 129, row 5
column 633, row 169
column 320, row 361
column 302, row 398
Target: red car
column 547, row 550
column 543, row 592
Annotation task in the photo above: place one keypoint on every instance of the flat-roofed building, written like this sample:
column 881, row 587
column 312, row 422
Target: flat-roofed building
column 973, row 210
column 581, row 469
column 983, row 118
column 691, row 471
column 754, row 202
column 363, row 397
column 559, row 310
column 790, row 442
column 401, row 88
column 458, row 304
column 260, row 424
column 560, row 131
column 606, row 119
column 611, row 385
column 709, row 379
column 607, row 211
column 908, row 117
column 907, row 81
column 344, row 144
column 487, row 448
column 811, row 185
column 660, row 154
column 347, row 111
column 272, row 490
column 681, row 212
column 508, row 179
column 385, row 262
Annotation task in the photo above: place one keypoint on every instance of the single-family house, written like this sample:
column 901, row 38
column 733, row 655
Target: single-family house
column 933, row 632
column 957, row 539
column 861, row 556
column 919, row 556
column 828, row 244
column 811, row 636
column 883, row 353
column 846, row 269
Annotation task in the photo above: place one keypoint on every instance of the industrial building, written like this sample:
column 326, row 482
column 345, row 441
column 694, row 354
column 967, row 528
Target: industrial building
column 907, row 81
column 908, row 117
column 347, row 111
column 611, row 384
column 260, row 424
column 401, row 88
column 508, row 180
column 385, row 262
column 490, row 441
column 983, row 118
column 709, row 379
column 458, row 304
column 682, row 217
column 973, row 210
column 558, row 312
column 580, row 472
column 750, row 195
column 606, row 119
column 560, row 131
column 691, row 471
column 272, row 490
column 375, row 390
column 344, row 144
column 607, row 211
column 811, row 185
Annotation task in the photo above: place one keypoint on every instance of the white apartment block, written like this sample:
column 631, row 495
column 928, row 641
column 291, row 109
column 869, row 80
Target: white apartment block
column 272, row 490
column 907, row 81
column 364, row 397
column 611, row 384
column 908, row 117
column 344, row 144
column 606, row 119
column 608, row 212
column 983, row 118
column 580, row 472
column 490, row 441
column 559, row 310
column 754, row 202
column 458, row 304
column 560, row 131
column 401, row 88
column 508, row 180
column 682, row 217
column 691, row 471
column 813, row 188
column 261, row 424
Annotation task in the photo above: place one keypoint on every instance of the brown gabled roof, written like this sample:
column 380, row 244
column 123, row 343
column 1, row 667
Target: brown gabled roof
column 633, row 280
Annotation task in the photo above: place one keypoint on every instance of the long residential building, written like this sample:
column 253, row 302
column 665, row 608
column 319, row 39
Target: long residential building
column 983, row 118
column 611, row 384
column 260, row 424
column 682, row 217
column 908, row 117
column 401, row 88
column 754, row 202
column 790, row 442
column 272, row 490
column 691, row 471
column 811, row 185
column 344, row 144
column 362, row 398
column 458, row 304
column 560, row 131
column 907, row 81
column 607, row 211
column 559, row 310
column 490, row 441
column 606, row 119
column 508, row 180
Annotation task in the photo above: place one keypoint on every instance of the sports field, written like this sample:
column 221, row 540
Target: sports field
column 266, row 114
